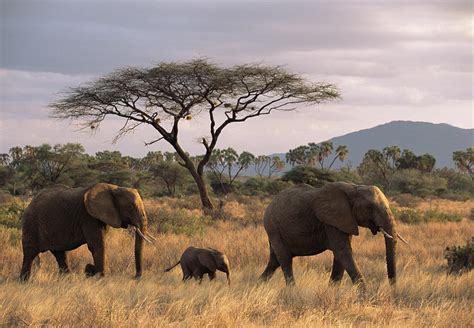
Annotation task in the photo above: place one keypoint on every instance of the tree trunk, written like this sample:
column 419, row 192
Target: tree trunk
column 197, row 175
column 207, row 206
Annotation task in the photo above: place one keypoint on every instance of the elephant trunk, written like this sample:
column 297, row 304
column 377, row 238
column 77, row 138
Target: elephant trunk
column 390, row 249
column 390, row 236
column 140, row 236
column 138, row 254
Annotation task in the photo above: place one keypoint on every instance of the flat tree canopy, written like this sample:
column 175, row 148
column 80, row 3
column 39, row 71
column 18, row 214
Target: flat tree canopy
column 163, row 95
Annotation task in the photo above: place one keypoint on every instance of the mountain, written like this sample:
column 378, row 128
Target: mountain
column 439, row 140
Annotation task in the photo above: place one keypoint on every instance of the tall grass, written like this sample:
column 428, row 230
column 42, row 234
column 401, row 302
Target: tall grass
column 423, row 297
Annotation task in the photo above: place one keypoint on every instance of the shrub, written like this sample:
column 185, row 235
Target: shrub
column 414, row 216
column 347, row 175
column 457, row 182
column 407, row 200
column 309, row 175
column 417, row 183
column 460, row 258
column 10, row 214
column 262, row 186
column 177, row 220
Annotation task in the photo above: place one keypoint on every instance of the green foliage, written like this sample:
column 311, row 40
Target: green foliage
column 171, row 176
column 460, row 258
column 10, row 214
column 464, row 160
column 177, row 220
column 456, row 181
column 417, row 183
column 347, row 175
column 309, row 175
column 378, row 167
column 261, row 186
column 10, row 220
column 414, row 216
column 312, row 154
column 408, row 160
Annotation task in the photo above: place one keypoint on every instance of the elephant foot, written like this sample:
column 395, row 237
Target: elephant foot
column 90, row 270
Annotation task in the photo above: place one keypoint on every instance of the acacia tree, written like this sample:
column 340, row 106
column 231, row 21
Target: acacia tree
column 164, row 95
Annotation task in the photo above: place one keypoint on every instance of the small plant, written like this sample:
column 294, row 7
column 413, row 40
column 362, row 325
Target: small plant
column 460, row 258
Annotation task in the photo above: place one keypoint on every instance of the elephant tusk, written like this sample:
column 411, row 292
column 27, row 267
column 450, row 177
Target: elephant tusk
column 402, row 239
column 385, row 233
column 142, row 235
column 150, row 236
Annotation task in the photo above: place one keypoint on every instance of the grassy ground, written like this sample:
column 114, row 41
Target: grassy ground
column 424, row 296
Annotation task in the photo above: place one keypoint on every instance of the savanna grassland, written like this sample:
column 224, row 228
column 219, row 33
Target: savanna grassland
column 424, row 295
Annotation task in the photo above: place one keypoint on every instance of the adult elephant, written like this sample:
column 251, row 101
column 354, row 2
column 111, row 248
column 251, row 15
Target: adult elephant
column 303, row 220
column 60, row 219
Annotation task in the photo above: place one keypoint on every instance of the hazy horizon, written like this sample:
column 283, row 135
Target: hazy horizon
column 401, row 60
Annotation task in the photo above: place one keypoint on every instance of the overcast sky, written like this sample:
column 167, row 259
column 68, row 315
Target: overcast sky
column 392, row 60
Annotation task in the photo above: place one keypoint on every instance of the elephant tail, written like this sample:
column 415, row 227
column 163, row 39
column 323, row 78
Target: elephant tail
column 171, row 267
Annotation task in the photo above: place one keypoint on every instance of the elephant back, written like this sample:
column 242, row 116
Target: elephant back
column 290, row 208
column 52, row 214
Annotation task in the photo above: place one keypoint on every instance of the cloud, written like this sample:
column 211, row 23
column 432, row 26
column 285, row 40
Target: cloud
column 391, row 60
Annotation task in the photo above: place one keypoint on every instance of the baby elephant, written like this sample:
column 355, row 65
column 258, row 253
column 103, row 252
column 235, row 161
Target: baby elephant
column 195, row 262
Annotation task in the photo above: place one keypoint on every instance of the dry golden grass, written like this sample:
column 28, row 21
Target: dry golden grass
column 424, row 296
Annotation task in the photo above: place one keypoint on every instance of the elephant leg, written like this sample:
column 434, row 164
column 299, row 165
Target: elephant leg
column 212, row 276
column 28, row 257
column 96, row 245
column 340, row 244
column 186, row 272
column 61, row 258
column 287, row 268
column 284, row 258
column 271, row 266
column 198, row 274
column 337, row 271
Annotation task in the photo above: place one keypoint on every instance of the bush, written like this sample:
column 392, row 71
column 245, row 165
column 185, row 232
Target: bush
column 407, row 200
column 414, row 216
column 457, row 182
column 262, row 186
column 347, row 175
column 417, row 183
column 309, row 175
column 10, row 214
column 460, row 258
column 177, row 220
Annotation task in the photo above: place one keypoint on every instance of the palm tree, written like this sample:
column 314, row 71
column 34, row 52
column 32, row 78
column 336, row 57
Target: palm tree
column 341, row 153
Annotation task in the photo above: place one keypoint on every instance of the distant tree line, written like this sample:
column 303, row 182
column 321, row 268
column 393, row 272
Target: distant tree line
column 25, row 171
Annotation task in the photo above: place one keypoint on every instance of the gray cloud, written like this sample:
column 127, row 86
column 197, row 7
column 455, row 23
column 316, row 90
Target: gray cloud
column 392, row 60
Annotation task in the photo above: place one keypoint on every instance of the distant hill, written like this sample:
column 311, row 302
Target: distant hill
column 439, row 140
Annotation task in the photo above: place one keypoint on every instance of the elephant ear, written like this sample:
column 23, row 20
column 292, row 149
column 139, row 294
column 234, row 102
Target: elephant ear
column 207, row 260
column 331, row 206
column 99, row 202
